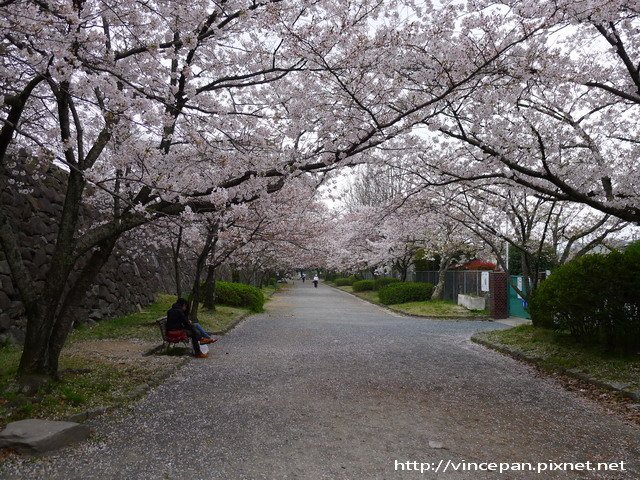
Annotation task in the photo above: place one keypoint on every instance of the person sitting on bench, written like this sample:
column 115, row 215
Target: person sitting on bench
column 177, row 320
column 204, row 335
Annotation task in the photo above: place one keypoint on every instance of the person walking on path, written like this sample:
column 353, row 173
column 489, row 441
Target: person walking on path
column 315, row 281
column 177, row 320
column 303, row 276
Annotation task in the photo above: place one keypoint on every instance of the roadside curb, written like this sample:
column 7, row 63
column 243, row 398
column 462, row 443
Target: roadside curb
column 570, row 372
column 415, row 315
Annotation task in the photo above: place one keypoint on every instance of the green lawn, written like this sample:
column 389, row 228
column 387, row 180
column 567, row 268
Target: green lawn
column 87, row 382
column 369, row 295
column 431, row 308
column 221, row 319
column 141, row 325
column 103, row 365
column 138, row 325
column 347, row 288
column 438, row 308
column 557, row 349
column 270, row 289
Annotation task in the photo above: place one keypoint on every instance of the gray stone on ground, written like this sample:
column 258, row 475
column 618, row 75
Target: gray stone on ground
column 34, row 436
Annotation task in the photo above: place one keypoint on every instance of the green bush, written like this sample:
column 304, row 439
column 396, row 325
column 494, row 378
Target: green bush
column 346, row 281
column 363, row 285
column 330, row 276
column 239, row 295
column 595, row 297
column 401, row 292
column 383, row 282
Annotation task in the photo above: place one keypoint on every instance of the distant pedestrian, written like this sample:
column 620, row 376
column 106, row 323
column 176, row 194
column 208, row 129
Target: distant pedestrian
column 303, row 276
column 315, row 281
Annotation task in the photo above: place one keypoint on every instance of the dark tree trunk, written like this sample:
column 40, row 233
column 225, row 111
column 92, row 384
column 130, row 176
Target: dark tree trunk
column 194, row 300
column 176, row 262
column 529, row 275
column 210, row 288
column 403, row 272
column 74, row 298
column 34, row 362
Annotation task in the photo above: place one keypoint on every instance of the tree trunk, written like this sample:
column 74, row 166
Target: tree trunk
column 210, row 289
column 194, row 300
column 528, row 272
column 32, row 370
column 176, row 263
column 438, row 291
column 403, row 272
column 34, row 362
column 74, row 298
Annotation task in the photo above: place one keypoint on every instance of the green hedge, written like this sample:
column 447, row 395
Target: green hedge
column 363, row 285
column 346, row 281
column 402, row 292
column 330, row 276
column 595, row 297
column 383, row 282
column 239, row 295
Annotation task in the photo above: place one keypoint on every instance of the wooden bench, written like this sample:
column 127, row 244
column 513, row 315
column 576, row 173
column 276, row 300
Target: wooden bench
column 172, row 338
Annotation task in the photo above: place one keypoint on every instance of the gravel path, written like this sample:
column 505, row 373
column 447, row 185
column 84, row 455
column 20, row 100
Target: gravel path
column 327, row 386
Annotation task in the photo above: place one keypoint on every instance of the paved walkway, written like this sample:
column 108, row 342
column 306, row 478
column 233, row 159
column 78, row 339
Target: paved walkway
column 327, row 386
column 514, row 321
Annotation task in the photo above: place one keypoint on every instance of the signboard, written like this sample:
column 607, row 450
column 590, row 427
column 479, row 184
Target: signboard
column 519, row 281
column 484, row 281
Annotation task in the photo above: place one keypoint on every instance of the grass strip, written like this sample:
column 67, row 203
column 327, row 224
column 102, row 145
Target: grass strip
column 104, row 365
column 558, row 351
column 443, row 309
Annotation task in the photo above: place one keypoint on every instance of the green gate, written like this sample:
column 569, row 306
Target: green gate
column 517, row 304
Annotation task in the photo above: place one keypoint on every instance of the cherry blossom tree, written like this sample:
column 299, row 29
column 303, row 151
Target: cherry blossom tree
column 562, row 116
column 534, row 227
column 165, row 108
column 261, row 235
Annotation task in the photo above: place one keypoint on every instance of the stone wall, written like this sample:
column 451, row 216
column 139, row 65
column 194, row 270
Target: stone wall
column 127, row 282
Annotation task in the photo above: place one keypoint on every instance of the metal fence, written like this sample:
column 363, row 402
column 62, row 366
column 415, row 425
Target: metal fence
column 455, row 282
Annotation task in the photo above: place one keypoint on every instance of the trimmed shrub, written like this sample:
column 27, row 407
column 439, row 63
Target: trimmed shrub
column 239, row 295
column 346, row 281
column 363, row 285
column 331, row 276
column 402, row 292
column 384, row 281
column 595, row 297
